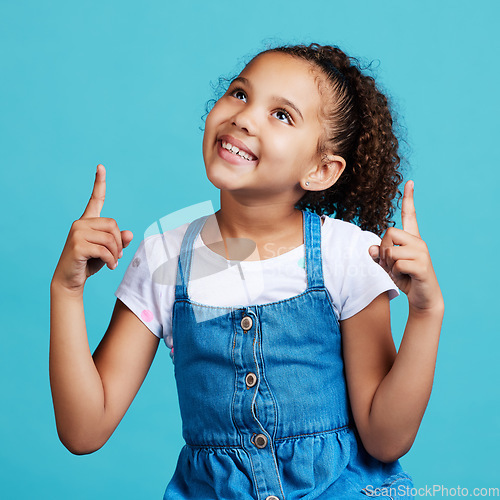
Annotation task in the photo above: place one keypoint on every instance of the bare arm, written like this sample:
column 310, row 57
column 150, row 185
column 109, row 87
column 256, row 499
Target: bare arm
column 389, row 392
column 91, row 394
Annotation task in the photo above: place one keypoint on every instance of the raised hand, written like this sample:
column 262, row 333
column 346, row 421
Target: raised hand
column 92, row 242
column 404, row 255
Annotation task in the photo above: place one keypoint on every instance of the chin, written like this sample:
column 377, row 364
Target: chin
column 221, row 181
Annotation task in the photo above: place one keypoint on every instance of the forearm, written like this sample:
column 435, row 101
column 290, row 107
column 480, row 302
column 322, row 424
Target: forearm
column 401, row 398
column 77, row 390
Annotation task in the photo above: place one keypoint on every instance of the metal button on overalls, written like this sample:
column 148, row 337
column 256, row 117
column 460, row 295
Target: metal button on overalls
column 246, row 323
column 250, row 380
column 260, row 441
column 272, row 497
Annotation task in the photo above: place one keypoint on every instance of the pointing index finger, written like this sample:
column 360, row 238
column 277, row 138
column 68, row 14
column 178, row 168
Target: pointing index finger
column 408, row 213
column 94, row 206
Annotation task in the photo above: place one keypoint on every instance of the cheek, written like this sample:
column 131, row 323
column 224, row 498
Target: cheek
column 289, row 148
column 277, row 140
column 209, row 132
column 214, row 118
column 209, row 121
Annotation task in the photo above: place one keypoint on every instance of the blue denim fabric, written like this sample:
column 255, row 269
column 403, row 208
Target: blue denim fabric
column 299, row 402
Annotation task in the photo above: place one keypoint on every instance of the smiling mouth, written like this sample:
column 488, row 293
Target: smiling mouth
column 237, row 151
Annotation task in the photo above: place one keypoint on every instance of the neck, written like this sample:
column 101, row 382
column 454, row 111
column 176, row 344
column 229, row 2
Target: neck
column 269, row 226
column 239, row 219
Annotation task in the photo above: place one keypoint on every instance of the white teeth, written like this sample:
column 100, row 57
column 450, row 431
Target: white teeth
column 235, row 150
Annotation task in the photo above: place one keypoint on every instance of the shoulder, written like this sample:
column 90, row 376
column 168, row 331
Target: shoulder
column 345, row 236
column 351, row 275
column 160, row 251
column 344, row 245
column 156, row 233
column 161, row 244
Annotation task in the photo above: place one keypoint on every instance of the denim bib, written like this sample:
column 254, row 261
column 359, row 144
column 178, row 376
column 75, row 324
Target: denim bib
column 263, row 397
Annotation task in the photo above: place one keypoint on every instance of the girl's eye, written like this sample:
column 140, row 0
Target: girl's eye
column 283, row 116
column 239, row 94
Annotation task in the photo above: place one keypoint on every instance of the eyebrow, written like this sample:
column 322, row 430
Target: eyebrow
column 277, row 99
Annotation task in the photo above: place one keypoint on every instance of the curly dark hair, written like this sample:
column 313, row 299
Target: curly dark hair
column 358, row 127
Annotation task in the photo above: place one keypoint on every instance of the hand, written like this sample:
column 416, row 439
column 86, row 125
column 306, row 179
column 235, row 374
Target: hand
column 404, row 255
column 92, row 242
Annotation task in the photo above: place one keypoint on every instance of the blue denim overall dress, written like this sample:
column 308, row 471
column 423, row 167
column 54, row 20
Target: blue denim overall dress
column 263, row 397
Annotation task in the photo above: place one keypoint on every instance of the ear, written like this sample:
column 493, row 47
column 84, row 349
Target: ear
column 325, row 173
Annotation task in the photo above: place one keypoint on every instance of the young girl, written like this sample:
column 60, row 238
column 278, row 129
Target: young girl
column 288, row 378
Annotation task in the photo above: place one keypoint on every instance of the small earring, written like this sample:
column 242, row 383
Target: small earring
column 307, row 183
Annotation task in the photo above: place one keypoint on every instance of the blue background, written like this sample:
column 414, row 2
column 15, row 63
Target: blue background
column 124, row 84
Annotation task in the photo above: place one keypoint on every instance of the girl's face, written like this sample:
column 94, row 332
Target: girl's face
column 261, row 137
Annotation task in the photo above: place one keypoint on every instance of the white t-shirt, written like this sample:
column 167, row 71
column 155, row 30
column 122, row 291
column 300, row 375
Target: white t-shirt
column 351, row 276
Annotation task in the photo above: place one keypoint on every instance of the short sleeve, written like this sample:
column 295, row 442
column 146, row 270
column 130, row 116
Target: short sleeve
column 364, row 279
column 140, row 293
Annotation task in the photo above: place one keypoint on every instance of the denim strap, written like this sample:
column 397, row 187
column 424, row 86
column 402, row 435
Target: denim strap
column 186, row 257
column 312, row 242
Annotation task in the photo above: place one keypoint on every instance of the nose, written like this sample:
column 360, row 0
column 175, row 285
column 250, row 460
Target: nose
column 245, row 119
